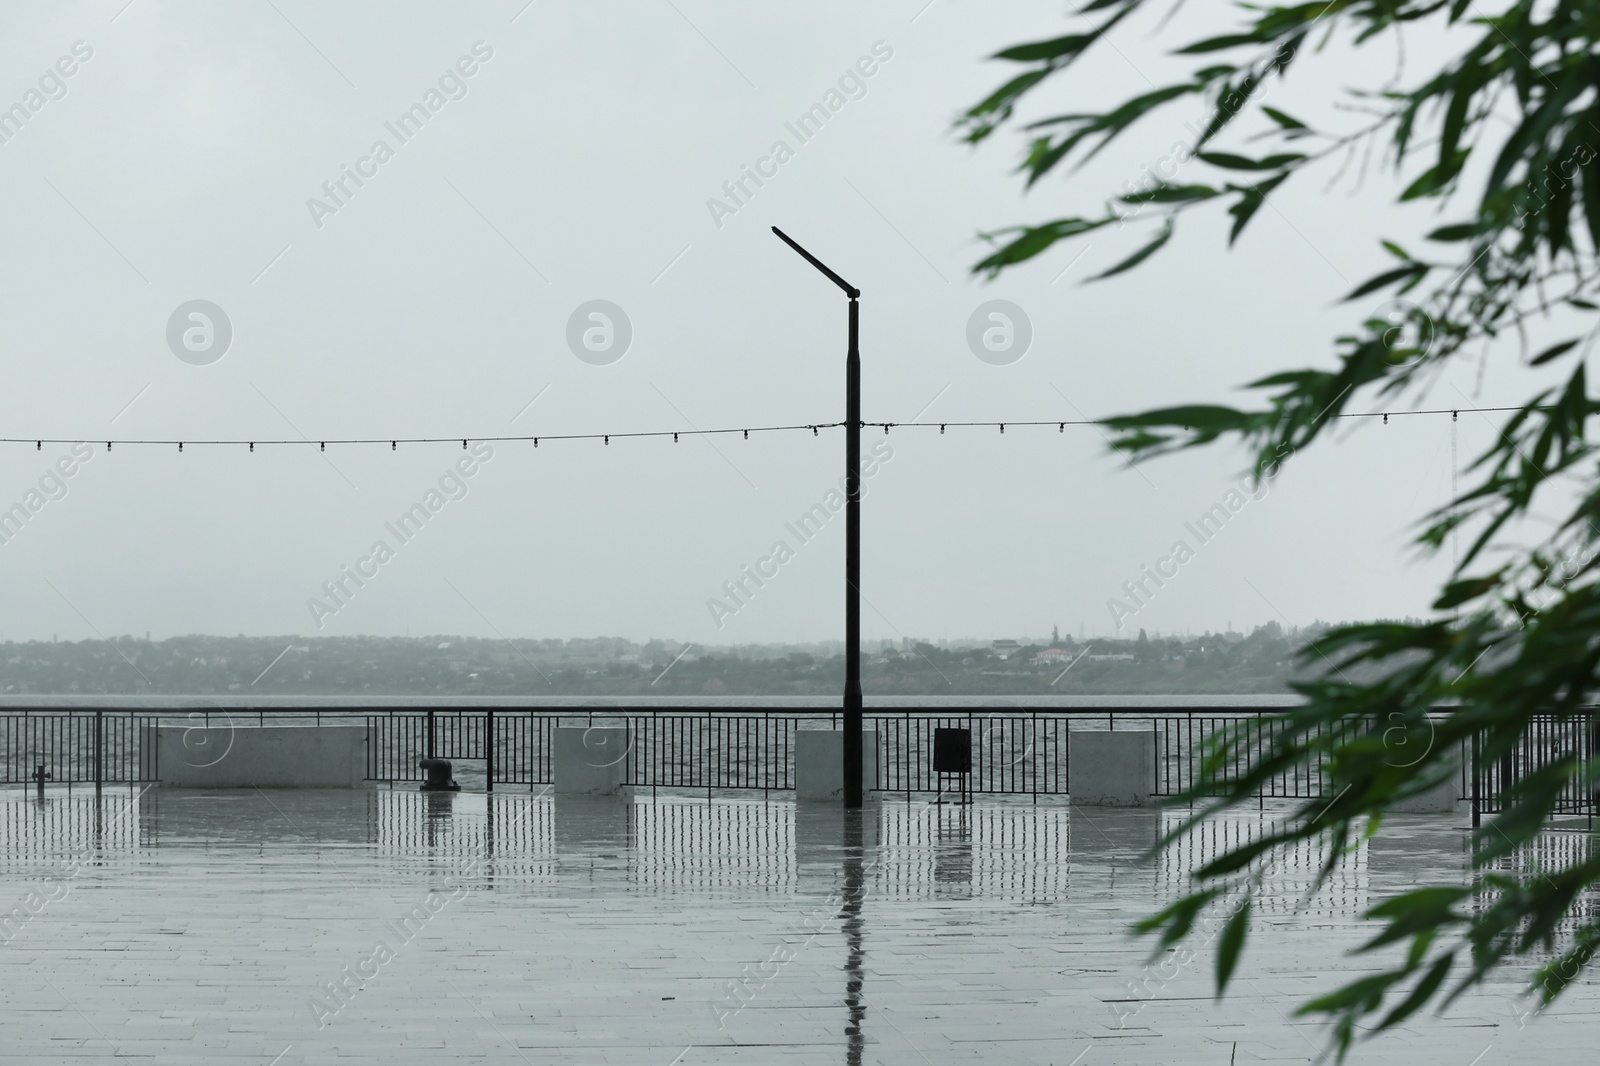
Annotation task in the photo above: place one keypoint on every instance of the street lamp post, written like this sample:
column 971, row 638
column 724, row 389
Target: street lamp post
column 852, row 533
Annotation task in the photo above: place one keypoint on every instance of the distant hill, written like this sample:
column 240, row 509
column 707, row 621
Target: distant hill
column 611, row 666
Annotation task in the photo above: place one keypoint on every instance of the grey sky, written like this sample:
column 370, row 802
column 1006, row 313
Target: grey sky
column 576, row 163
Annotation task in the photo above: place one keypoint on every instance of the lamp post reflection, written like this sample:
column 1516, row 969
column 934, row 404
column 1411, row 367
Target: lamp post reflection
column 854, row 925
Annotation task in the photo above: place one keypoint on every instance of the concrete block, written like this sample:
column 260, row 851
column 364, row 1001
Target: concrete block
column 1113, row 768
column 591, row 760
column 1441, row 799
column 819, row 764
column 238, row 756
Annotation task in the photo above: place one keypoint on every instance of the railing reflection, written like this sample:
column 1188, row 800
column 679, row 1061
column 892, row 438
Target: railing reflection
column 1005, row 850
column 1286, row 874
column 71, row 822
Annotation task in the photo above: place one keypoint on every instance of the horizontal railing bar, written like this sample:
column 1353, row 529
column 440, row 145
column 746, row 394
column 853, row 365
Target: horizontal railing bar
column 1161, row 711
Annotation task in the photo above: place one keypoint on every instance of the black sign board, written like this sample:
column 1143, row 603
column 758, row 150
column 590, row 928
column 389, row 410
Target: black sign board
column 952, row 751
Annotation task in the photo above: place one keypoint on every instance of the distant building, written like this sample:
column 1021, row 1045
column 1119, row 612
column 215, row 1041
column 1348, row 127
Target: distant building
column 1005, row 649
column 1052, row 655
column 1120, row 658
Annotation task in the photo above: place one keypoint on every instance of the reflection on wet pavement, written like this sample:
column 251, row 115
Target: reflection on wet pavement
column 395, row 927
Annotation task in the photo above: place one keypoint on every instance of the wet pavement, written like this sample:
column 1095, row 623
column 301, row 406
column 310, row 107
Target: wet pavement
column 371, row 926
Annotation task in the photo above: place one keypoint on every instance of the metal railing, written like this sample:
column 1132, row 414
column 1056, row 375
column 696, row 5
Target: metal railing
column 75, row 747
column 1181, row 736
column 1015, row 750
column 1548, row 740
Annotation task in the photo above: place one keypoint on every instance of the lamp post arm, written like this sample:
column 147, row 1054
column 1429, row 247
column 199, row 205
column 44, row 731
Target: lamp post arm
column 849, row 289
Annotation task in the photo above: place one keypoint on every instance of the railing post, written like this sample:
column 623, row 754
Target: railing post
column 1477, row 779
column 488, row 749
column 1030, row 768
column 430, row 734
column 1508, row 769
column 1594, row 752
column 99, row 749
column 1254, row 753
column 907, row 738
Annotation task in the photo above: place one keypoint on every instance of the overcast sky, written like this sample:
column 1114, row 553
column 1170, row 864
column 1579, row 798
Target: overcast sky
column 575, row 152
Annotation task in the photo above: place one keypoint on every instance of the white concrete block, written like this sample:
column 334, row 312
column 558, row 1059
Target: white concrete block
column 591, row 760
column 1111, row 768
column 819, row 763
column 1442, row 799
column 239, row 756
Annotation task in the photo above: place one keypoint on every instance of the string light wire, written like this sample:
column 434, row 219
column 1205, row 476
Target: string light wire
column 814, row 428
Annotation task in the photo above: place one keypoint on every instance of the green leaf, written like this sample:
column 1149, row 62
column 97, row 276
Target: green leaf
column 1218, row 44
column 1060, row 51
column 1055, row 48
column 1436, row 179
column 1032, row 240
column 1197, row 416
column 1177, row 919
column 1552, row 352
column 1461, row 231
column 1230, row 944
column 996, row 108
column 1141, row 255
column 1419, row 995
column 1388, row 277
column 1249, row 203
column 1366, row 993
column 1458, row 592
column 1171, row 194
column 1229, row 161
column 1286, row 121
column 1591, row 199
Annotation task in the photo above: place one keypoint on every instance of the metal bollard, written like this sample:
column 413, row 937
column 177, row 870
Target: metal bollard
column 40, row 777
column 440, row 776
